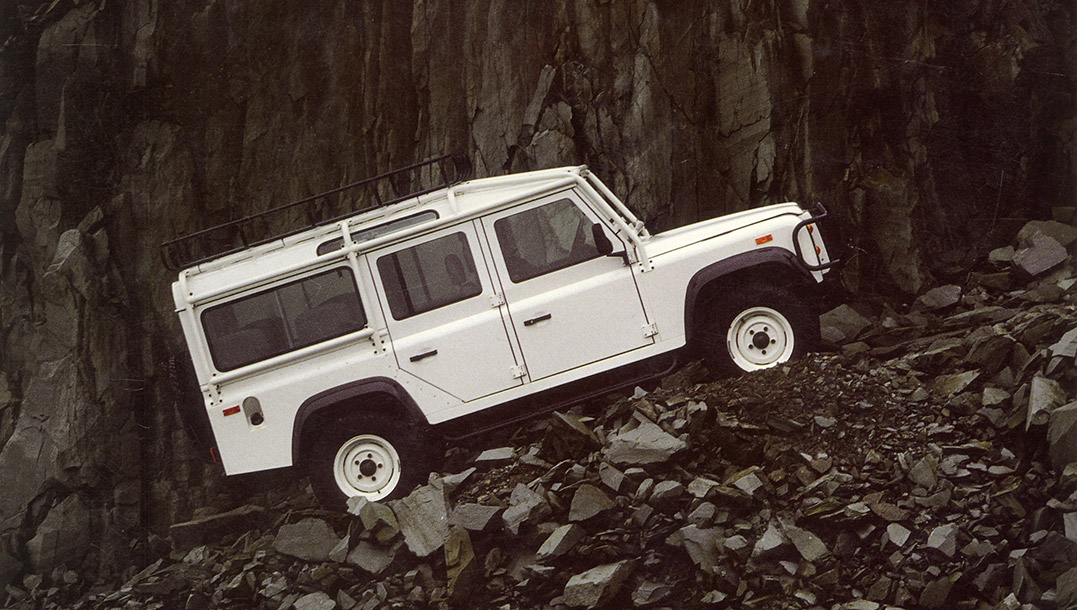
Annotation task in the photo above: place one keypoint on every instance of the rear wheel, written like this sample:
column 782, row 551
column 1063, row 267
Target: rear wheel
column 361, row 455
column 756, row 327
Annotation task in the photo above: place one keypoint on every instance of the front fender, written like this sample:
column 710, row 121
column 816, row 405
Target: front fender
column 768, row 257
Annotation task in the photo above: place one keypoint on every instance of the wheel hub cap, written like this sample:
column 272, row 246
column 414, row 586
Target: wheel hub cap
column 368, row 466
column 759, row 338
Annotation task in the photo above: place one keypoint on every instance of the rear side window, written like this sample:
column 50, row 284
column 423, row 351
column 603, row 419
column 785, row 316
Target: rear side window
column 282, row 319
column 430, row 275
column 544, row 239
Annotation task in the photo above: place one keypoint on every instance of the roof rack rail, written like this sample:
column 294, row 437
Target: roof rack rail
column 321, row 209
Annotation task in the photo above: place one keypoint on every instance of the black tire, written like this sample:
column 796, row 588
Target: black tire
column 771, row 324
column 366, row 442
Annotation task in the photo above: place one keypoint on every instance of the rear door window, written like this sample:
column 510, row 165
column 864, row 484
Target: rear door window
column 430, row 275
column 284, row 318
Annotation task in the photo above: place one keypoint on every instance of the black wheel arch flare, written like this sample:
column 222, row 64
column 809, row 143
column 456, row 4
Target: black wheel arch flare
column 764, row 257
column 349, row 392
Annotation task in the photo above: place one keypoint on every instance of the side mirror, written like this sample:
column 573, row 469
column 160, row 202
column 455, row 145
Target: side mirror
column 604, row 245
column 602, row 242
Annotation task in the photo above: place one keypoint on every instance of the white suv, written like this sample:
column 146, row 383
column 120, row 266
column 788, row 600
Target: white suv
column 353, row 346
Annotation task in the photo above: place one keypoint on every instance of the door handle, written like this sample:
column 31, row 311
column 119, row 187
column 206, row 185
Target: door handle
column 542, row 318
column 418, row 357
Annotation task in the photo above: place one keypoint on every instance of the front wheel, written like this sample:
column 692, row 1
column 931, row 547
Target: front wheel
column 362, row 456
column 757, row 327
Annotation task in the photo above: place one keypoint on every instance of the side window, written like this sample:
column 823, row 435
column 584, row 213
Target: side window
column 283, row 319
column 545, row 239
column 430, row 275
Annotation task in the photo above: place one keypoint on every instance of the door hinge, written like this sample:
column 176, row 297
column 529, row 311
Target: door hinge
column 650, row 330
column 497, row 299
column 518, row 372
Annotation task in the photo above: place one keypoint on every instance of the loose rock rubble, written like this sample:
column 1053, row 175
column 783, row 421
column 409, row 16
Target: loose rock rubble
column 929, row 461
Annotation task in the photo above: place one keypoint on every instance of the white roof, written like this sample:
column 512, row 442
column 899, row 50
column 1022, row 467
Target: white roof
column 298, row 252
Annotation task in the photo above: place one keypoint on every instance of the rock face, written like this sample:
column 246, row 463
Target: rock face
column 127, row 122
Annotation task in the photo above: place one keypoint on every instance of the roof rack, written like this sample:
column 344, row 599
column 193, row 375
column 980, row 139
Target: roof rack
column 317, row 210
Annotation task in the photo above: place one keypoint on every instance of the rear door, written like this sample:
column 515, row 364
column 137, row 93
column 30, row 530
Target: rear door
column 569, row 306
column 438, row 299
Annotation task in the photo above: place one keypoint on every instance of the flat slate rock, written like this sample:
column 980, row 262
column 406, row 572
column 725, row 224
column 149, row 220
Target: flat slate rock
column 376, row 518
column 1044, row 396
column 424, row 519
column 897, row 534
column 842, row 324
column 596, row 586
column 315, row 601
column 310, row 539
column 1062, row 436
column 939, row 298
column 501, row 454
column 561, row 541
column 1042, row 254
column 956, row 383
column 647, row 443
column 473, row 517
column 769, row 543
column 702, row 546
column 587, row 502
column 525, row 505
column 370, row 557
column 943, row 539
column 1062, row 233
column 810, row 546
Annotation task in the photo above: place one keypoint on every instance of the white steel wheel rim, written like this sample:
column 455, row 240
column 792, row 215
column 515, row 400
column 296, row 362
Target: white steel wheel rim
column 759, row 338
column 367, row 466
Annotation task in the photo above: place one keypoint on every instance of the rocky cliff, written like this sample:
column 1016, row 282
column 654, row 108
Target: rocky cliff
column 929, row 131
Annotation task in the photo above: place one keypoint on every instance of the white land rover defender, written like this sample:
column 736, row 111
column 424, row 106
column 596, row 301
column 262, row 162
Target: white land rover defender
column 353, row 346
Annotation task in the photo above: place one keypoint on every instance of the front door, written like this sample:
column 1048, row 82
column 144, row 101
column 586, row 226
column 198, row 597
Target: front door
column 569, row 305
column 437, row 294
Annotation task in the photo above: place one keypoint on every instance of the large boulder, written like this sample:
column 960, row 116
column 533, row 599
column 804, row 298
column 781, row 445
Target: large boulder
column 596, row 586
column 1062, row 233
column 842, row 324
column 310, row 539
column 647, row 443
column 1062, row 436
column 424, row 519
column 1042, row 254
column 63, row 538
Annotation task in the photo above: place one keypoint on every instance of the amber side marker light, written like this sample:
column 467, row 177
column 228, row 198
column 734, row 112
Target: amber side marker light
column 759, row 241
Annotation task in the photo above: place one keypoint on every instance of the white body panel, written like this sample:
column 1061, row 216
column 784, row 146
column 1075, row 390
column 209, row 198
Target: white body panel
column 470, row 331
column 507, row 341
column 574, row 316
